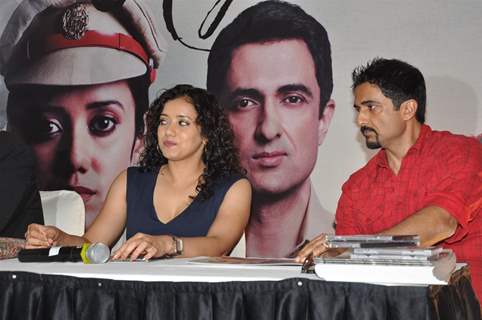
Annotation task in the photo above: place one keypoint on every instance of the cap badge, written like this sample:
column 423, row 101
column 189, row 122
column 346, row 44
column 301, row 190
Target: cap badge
column 74, row 21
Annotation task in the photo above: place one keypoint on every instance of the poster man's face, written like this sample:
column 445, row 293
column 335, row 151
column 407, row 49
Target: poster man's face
column 273, row 103
column 83, row 138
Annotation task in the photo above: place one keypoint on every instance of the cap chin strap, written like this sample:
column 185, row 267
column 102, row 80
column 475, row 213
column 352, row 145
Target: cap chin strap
column 91, row 38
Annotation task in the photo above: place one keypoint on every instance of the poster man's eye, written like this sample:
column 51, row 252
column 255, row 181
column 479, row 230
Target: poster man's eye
column 242, row 104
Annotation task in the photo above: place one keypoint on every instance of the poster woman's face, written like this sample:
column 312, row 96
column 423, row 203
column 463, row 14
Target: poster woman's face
column 83, row 137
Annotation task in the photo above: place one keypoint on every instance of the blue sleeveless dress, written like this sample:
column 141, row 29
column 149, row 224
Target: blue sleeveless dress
column 194, row 221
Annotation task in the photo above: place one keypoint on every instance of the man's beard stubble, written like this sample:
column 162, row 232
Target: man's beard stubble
column 370, row 144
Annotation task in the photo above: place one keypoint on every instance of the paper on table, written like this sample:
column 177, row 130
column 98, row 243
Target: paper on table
column 246, row 261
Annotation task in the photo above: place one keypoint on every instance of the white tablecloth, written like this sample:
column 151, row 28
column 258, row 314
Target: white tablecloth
column 160, row 270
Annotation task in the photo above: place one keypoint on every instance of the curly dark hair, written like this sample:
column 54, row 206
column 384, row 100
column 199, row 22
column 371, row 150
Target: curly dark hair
column 220, row 156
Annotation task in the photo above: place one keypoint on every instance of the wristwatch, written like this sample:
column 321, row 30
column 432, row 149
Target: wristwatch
column 178, row 245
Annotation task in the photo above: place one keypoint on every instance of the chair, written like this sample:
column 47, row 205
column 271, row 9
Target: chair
column 120, row 241
column 65, row 210
column 239, row 249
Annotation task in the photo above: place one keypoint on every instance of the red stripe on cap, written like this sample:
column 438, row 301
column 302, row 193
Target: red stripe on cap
column 91, row 38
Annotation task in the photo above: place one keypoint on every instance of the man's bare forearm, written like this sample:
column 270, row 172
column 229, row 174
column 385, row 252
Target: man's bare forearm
column 432, row 224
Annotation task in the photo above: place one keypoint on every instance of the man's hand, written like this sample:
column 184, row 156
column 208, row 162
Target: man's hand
column 314, row 248
column 40, row 236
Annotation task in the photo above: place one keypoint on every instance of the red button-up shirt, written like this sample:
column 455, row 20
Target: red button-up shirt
column 441, row 169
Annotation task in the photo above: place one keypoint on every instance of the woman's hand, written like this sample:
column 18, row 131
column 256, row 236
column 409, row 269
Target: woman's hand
column 146, row 246
column 40, row 236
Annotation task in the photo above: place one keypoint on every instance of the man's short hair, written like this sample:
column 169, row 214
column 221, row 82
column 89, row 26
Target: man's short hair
column 272, row 21
column 397, row 80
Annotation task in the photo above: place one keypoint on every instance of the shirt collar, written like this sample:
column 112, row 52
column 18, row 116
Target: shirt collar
column 425, row 131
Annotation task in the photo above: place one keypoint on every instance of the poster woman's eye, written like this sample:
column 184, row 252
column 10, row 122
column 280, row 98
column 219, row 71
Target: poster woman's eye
column 49, row 129
column 43, row 129
column 53, row 127
column 102, row 125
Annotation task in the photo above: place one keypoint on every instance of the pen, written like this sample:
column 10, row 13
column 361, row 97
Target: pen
column 308, row 265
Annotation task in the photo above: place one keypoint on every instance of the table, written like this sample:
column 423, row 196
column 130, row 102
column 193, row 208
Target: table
column 177, row 289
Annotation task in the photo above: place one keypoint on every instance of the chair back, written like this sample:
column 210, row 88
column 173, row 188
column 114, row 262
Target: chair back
column 239, row 249
column 65, row 210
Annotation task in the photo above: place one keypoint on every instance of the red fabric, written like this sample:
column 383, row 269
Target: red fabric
column 440, row 169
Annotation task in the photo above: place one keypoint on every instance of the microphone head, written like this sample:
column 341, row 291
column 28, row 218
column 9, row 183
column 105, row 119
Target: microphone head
column 98, row 253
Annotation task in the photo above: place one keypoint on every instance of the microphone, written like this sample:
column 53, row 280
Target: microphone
column 87, row 253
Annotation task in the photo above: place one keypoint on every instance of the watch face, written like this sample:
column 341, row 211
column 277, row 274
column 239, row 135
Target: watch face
column 179, row 246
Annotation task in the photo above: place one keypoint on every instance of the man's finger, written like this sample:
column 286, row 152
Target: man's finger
column 35, row 234
column 315, row 247
column 35, row 242
column 52, row 234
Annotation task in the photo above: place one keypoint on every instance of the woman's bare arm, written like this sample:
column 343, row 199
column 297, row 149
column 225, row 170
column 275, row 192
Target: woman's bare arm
column 106, row 228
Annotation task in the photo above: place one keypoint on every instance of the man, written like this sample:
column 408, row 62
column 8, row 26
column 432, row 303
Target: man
column 422, row 181
column 271, row 69
column 19, row 196
column 78, row 82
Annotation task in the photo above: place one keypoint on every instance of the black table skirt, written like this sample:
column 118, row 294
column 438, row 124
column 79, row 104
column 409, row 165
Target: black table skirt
column 34, row 296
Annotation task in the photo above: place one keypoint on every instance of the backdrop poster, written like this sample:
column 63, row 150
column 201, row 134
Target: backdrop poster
column 305, row 158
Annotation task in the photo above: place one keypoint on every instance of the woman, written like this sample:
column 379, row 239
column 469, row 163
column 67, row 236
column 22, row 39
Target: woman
column 188, row 197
